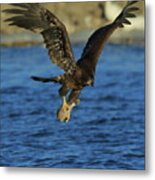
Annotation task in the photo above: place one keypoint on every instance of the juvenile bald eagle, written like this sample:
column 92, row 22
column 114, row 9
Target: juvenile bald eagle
column 77, row 74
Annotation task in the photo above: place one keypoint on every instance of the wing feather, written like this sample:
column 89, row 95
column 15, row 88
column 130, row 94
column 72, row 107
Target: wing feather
column 34, row 17
column 98, row 39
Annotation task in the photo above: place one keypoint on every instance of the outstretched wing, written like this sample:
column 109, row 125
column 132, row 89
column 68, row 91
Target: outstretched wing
column 38, row 19
column 97, row 40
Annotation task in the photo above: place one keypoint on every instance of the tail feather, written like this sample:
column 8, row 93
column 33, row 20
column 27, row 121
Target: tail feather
column 41, row 79
column 57, row 79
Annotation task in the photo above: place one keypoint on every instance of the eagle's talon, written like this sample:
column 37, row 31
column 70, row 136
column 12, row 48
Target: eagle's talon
column 64, row 113
column 77, row 102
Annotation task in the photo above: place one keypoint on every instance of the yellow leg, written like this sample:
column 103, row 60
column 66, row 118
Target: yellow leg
column 64, row 113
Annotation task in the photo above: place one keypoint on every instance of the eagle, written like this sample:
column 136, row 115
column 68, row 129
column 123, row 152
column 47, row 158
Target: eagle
column 77, row 74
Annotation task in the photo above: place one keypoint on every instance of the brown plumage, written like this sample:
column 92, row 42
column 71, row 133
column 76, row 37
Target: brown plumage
column 78, row 74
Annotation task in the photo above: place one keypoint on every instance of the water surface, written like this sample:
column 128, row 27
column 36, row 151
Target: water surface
column 106, row 130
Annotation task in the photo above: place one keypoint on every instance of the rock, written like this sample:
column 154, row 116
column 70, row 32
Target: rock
column 80, row 19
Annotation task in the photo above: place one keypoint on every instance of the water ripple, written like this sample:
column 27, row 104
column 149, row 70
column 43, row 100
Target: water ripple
column 106, row 130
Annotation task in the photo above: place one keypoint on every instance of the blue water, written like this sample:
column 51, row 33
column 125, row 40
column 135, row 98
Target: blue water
column 106, row 130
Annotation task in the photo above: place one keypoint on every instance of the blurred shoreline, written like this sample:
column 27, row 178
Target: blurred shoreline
column 28, row 39
column 80, row 24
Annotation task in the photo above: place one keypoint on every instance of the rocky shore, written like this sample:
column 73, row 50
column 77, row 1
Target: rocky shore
column 81, row 19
